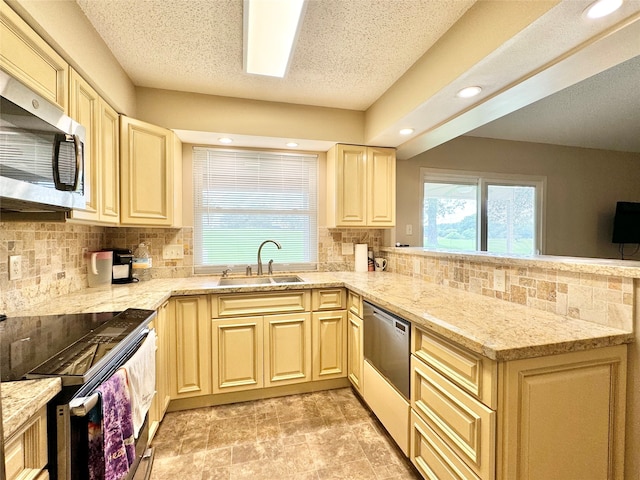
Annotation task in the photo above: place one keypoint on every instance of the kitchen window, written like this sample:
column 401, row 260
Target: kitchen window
column 470, row 211
column 244, row 197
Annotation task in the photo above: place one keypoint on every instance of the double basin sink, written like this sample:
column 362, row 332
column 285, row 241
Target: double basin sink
column 238, row 281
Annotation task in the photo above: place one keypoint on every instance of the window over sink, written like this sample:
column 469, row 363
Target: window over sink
column 243, row 197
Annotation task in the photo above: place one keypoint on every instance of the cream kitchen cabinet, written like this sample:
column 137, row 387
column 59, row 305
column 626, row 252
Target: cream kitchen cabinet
column 162, row 396
column 552, row 417
column 27, row 57
column 101, row 152
column 355, row 340
column 266, row 343
column 361, row 186
column 189, row 350
column 237, row 354
column 329, row 344
column 329, row 333
column 150, row 175
column 26, row 450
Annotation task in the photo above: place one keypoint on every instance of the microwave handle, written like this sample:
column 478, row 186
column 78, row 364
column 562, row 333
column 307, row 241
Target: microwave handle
column 78, row 147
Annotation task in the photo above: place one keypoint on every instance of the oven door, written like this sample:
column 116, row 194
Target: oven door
column 72, row 408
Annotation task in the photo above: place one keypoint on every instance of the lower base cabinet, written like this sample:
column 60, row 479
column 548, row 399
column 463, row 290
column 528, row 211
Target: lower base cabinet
column 556, row 417
column 26, row 450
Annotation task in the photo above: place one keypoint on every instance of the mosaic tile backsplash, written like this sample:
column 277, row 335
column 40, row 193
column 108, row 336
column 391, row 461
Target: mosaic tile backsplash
column 53, row 263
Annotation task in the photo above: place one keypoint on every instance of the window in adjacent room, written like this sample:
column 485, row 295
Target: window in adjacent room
column 242, row 198
column 470, row 212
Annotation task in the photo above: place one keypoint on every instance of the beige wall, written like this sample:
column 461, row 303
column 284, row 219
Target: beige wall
column 211, row 113
column 583, row 186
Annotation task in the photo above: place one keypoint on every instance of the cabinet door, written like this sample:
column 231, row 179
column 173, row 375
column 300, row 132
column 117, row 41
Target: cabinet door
column 381, row 187
column 355, row 352
column 190, row 362
column 351, row 186
column 27, row 57
column 84, row 109
column 146, row 160
column 237, row 349
column 162, row 396
column 563, row 416
column 329, row 344
column 109, row 162
column 287, row 349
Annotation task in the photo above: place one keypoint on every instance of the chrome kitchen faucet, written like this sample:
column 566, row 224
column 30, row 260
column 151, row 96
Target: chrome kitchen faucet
column 260, row 251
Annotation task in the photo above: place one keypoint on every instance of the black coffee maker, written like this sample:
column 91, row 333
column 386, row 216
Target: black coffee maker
column 122, row 266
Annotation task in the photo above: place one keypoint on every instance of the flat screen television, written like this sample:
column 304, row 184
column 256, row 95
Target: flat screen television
column 626, row 223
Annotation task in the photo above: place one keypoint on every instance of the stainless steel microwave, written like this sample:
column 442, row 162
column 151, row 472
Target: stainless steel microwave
column 41, row 153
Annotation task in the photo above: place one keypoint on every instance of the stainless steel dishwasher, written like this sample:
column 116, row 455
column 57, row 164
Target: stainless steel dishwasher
column 387, row 346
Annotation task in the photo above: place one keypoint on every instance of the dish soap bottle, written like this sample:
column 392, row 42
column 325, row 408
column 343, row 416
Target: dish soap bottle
column 142, row 263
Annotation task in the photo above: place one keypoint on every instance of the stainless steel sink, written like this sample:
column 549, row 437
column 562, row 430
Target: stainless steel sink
column 239, row 281
column 287, row 279
column 243, row 281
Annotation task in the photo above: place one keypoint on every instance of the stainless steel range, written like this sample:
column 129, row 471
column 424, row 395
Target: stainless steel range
column 83, row 350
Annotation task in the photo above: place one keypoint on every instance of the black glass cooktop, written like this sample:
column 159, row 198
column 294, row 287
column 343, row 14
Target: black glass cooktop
column 63, row 345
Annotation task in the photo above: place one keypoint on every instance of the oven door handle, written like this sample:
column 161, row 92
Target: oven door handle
column 80, row 406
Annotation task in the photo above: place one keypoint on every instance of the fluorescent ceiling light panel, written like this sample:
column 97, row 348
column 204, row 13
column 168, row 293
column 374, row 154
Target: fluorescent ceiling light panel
column 270, row 30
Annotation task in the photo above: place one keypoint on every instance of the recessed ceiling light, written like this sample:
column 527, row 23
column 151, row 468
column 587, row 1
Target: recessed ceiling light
column 469, row 92
column 225, row 140
column 602, row 8
column 406, row 131
column 270, row 30
column 292, row 144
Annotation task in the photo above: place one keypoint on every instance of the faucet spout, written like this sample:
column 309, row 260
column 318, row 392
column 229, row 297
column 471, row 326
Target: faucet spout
column 260, row 253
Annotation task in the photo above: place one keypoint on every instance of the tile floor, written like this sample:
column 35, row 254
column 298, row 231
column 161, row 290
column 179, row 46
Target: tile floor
column 320, row 435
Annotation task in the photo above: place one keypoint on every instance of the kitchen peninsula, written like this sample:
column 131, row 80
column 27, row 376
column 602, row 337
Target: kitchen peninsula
column 502, row 331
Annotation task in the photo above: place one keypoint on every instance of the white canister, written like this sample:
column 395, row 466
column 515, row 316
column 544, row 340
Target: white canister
column 362, row 262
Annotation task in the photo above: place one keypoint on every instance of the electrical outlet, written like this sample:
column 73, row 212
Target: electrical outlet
column 499, row 280
column 15, row 267
column 347, row 248
column 172, row 252
column 416, row 266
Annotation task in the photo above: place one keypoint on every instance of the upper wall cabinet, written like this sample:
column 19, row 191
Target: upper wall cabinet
column 361, row 186
column 101, row 152
column 27, row 57
column 150, row 160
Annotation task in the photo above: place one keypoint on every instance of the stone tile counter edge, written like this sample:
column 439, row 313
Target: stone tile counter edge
column 22, row 399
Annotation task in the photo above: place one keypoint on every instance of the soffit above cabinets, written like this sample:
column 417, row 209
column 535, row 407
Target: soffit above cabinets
column 373, row 56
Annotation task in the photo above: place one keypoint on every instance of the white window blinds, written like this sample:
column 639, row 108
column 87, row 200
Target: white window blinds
column 242, row 198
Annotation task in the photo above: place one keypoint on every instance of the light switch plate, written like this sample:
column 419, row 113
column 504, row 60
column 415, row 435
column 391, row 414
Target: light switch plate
column 409, row 229
column 15, row 267
column 172, row 252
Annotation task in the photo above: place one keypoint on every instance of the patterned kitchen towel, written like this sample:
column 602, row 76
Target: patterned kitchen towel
column 141, row 372
column 118, row 448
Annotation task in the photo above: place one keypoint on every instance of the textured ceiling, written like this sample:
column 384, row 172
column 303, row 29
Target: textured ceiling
column 348, row 51
column 600, row 112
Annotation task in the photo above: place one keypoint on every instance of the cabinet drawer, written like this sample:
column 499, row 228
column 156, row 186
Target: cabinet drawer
column 260, row 304
column 329, row 299
column 473, row 373
column 26, row 450
column 354, row 303
column 432, row 457
column 463, row 423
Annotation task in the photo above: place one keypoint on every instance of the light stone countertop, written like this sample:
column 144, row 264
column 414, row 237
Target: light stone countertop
column 497, row 329
column 20, row 400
